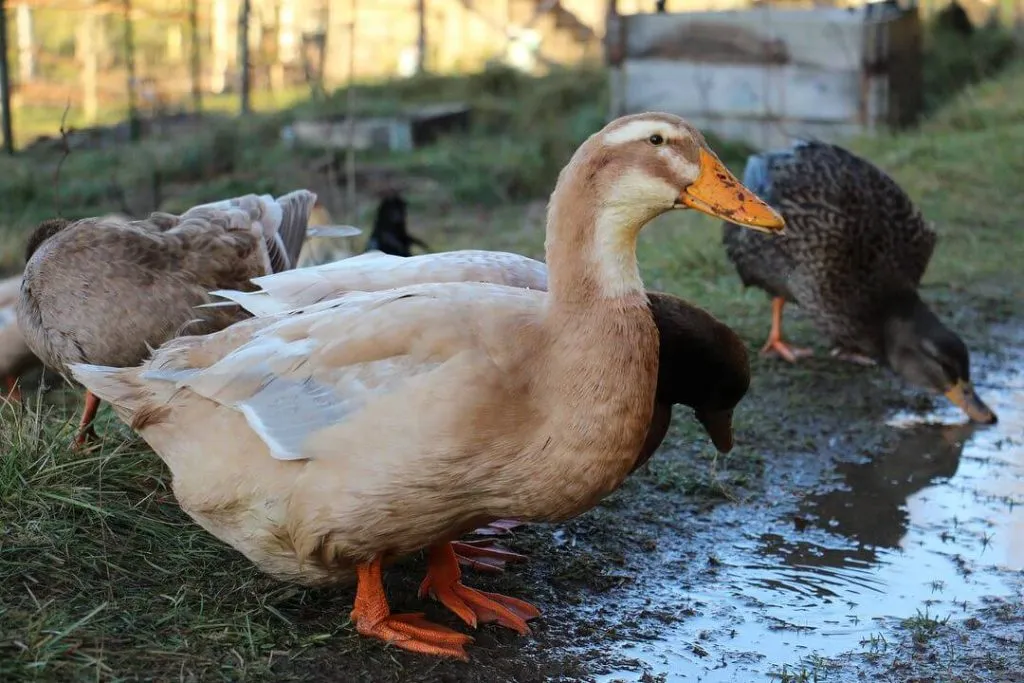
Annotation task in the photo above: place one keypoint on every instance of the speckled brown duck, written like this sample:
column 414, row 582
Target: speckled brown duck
column 106, row 290
column 852, row 257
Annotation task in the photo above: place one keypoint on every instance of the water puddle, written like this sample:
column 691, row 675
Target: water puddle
column 931, row 527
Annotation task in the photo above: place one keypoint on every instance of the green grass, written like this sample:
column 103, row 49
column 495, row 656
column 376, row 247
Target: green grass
column 102, row 577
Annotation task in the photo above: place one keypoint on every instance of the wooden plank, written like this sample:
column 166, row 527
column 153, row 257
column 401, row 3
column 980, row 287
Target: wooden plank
column 792, row 92
column 764, row 135
column 823, row 37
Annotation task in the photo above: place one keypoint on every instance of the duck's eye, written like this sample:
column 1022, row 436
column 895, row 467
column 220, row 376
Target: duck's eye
column 656, row 140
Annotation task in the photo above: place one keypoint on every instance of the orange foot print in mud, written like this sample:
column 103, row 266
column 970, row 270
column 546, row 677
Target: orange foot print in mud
column 444, row 583
column 373, row 618
column 484, row 556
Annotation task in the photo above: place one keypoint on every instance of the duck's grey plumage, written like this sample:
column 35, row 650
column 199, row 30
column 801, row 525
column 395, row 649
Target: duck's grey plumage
column 853, row 236
column 107, row 290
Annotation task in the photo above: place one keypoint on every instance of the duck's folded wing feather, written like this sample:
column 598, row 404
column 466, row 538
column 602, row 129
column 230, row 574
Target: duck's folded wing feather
column 377, row 271
column 298, row 374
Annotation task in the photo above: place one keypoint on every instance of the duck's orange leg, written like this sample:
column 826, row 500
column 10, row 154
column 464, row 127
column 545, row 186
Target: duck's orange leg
column 13, row 392
column 444, row 583
column 373, row 618
column 775, row 344
column 85, row 428
column 482, row 556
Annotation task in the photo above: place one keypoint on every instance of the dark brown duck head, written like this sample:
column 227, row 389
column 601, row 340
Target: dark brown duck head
column 703, row 364
column 926, row 353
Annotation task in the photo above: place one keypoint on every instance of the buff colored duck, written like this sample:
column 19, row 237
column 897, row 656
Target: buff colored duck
column 15, row 355
column 703, row 363
column 853, row 256
column 324, row 442
column 108, row 289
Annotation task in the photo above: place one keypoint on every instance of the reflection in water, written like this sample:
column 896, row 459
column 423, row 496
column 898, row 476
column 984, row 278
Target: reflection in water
column 869, row 507
column 935, row 524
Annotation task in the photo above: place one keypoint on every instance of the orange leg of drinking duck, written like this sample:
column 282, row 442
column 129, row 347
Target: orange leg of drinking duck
column 373, row 618
column 85, row 428
column 775, row 344
column 444, row 583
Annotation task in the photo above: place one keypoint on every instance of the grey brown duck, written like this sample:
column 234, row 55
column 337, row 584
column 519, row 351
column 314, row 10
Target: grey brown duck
column 106, row 290
column 852, row 258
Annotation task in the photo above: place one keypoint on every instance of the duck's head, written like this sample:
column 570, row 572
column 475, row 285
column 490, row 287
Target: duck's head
column 928, row 354
column 43, row 232
column 643, row 165
column 703, row 365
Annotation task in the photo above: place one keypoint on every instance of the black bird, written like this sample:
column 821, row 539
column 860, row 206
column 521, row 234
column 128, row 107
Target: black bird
column 390, row 232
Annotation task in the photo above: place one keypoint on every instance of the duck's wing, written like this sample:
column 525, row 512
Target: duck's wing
column 376, row 271
column 299, row 376
column 863, row 228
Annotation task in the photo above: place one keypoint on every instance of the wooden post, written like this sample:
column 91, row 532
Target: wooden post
column 350, row 105
column 5, row 82
column 196, row 62
column 129, row 60
column 87, row 41
column 243, row 54
column 26, row 44
column 421, row 43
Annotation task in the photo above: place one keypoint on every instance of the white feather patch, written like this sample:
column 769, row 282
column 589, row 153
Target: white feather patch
column 638, row 130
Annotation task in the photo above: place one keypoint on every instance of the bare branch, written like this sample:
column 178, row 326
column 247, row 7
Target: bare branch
column 66, row 149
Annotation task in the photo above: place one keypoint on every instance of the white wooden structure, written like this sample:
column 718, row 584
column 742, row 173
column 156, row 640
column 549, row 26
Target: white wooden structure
column 767, row 75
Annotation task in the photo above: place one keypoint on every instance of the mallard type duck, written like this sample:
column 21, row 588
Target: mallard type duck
column 15, row 356
column 372, row 426
column 853, row 255
column 108, row 289
column 703, row 363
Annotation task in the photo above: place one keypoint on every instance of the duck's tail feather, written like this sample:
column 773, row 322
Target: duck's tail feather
column 286, row 220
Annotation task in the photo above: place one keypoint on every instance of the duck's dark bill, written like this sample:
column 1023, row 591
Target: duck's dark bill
column 718, row 193
column 964, row 396
column 718, row 425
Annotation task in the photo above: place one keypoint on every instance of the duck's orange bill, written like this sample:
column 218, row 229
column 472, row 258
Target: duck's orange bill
column 718, row 193
column 963, row 395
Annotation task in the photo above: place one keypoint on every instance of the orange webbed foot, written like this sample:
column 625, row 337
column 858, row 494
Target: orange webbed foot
column 777, row 347
column 444, row 583
column 483, row 556
column 373, row 618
